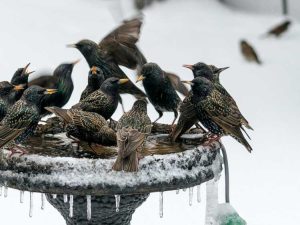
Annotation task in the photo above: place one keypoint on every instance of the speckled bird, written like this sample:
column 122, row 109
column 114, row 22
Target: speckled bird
column 60, row 80
column 95, row 79
column 248, row 52
column 215, row 113
column 6, row 100
column 132, row 129
column 117, row 48
column 278, row 30
column 86, row 126
column 160, row 90
column 22, row 118
column 104, row 101
column 216, row 72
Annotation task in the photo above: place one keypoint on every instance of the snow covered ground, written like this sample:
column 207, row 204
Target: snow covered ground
column 265, row 184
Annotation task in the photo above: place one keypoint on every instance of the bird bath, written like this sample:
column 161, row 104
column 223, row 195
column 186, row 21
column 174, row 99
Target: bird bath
column 84, row 189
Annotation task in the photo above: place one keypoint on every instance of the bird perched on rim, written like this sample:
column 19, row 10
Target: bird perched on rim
column 104, row 101
column 215, row 112
column 117, row 48
column 95, row 79
column 6, row 99
column 160, row 90
column 278, row 30
column 249, row 53
column 22, row 118
column 86, row 126
column 60, row 80
column 216, row 72
column 20, row 77
column 132, row 129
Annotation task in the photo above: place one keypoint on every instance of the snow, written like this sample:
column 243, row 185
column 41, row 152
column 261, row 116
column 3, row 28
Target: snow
column 264, row 185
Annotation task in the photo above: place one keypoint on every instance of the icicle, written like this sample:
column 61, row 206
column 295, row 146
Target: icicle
column 21, row 196
column 54, row 196
column 71, row 206
column 31, row 204
column 0, row 190
column 117, row 198
column 177, row 191
column 198, row 193
column 88, row 207
column 42, row 201
column 190, row 196
column 5, row 190
column 65, row 198
column 211, row 201
column 184, row 189
column 161, row 204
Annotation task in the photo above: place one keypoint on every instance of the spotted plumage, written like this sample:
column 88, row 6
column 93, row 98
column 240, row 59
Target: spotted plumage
column 86, row 126
column 159, row 89
column 215, row 112
column 278, row 30
column 23, row 117
column 104, row 101
column 249, row 53
column 95, row 79
column 132, row 130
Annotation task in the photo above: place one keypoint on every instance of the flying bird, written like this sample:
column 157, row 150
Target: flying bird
column 278, row 30
column 160, row 90
column 132, row 130
column 249, row 53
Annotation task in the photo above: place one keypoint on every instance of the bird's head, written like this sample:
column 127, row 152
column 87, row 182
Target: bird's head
column 6, row 88
column 96, row 76
column 86, row 47
column 112, row 84
column 64, row 70
column 150, row 71
column 35, row 94
column 140, row 104
column 200, row 86
column 243, row 43
column 21, row 76
column 200, row 70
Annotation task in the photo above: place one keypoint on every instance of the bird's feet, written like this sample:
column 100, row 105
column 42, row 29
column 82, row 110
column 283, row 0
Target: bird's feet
column 210, row 138
column 17, row 150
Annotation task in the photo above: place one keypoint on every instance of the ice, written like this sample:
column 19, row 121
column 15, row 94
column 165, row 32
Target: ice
column 54, row 196
column 30, row 204
column 161, row 204
column 5, row 190
column 71, row 206
column 199, row 193
column 88, row 207
column 65, row 198
column 42, row 201
column 227, row 215
column 0, row 190
column 211, row 201
column 184, row 189
column 21, row 196
column 118, row 199
column 190, row 196
column 177, row 191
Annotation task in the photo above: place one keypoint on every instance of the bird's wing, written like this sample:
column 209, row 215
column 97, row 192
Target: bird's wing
column 46, row 81
column 15, row 123
column 92, row 102
column 177, row 83
column 88, row 120
column 120, row 44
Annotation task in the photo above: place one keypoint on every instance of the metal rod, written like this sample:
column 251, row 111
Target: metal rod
column 285, row 7
column 226, row 168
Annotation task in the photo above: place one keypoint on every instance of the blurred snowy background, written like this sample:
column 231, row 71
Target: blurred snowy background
column 265, row 188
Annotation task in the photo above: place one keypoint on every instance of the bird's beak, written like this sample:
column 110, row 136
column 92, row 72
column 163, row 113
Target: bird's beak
column 71, row 46
column 191, row 67
column 50, row 91
column 24, row 72
column 18, row 87
column 187, row 82
column 94, row 70
column 222, row 69
column 75, row 62
column 122, row 81
column 141, row 77
column 28, row 73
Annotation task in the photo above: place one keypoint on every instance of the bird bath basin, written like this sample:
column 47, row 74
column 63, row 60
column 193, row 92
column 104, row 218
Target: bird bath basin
column 84, row 189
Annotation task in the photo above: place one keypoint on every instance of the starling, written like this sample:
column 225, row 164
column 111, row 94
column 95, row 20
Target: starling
column 117, row 48
column 6, row 100
column 160, row 90
column 280, row 29
column 23, row 117
column 104, row 101
column 249, row 52
column 216, row 72
column 95, row 79
column 215, row 112
column 60, row 80
column 86, row 126
column 132, row 130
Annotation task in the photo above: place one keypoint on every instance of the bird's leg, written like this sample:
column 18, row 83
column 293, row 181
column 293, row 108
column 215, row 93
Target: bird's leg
column 198, row 126
column 211, row 138
column 175, row 117
column 121, row 102
column 23, row 151
column 74, row 140
column 16, row 150
column 160, row 115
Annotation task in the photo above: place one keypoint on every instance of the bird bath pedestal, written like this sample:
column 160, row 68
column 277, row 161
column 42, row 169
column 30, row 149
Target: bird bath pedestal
column 87, row 191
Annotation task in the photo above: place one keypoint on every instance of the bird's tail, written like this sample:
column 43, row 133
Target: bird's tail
column 62, row 113
column 238, row 135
